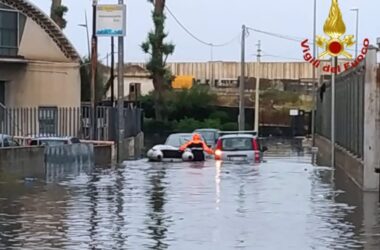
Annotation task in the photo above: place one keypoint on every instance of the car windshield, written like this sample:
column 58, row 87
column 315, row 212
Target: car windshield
column 177, row 140
column 208, row 135
column 237, row 144
column 52, row 142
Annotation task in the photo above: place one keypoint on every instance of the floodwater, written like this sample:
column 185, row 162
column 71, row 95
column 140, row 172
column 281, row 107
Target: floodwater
column 284, row 203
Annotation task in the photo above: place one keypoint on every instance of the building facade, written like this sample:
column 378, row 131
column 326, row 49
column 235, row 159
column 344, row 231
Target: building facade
column 38, row 65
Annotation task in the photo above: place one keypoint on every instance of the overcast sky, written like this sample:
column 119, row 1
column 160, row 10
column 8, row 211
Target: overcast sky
column 218, row 21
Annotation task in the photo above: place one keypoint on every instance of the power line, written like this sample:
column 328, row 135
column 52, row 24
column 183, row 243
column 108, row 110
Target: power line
column 286, row 37
column 278, row 56
column 195, row 37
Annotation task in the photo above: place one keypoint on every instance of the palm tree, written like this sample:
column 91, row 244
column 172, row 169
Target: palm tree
column 57, row 12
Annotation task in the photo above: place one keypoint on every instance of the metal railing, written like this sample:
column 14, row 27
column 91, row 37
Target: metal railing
column 77, row 122
column 349, row 104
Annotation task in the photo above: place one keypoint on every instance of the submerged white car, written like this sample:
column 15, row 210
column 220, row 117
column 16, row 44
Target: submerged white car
column 170, row 150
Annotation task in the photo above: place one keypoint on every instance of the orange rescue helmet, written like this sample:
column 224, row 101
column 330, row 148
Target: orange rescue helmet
column 196, row 137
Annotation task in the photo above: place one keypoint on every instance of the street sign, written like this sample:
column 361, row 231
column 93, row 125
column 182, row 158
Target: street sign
column 314, row 150
column 294, row 112
column 110, row 20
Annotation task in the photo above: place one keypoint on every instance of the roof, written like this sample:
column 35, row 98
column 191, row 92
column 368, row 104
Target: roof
column 207, row 130
column 46, row 23
column 238, row 136
column 52, row 138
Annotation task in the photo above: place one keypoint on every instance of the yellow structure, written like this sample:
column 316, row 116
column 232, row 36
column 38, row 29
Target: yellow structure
column 183, row 82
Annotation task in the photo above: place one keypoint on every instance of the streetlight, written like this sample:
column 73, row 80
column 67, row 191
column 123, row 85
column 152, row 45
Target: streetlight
column 357, row 30
column 85, row 25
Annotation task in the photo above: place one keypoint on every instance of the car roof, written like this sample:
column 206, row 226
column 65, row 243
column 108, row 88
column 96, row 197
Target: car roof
column 182, row 134
column 53, row 138
column 207, row 130
column 238, row 136
column 4, row 136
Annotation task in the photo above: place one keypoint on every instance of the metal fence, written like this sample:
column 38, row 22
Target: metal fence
column 349, row 110
column 76, row 122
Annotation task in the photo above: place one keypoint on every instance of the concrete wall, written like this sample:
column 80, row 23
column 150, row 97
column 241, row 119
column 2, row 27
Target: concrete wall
column 231, row 70
column 133, row 147
column 22, row 162
column 344, row 160
column 36, row 44
column 42, row 84
column 103, row 155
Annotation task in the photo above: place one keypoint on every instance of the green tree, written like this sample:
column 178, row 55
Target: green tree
column 159, row 52
column 85, row 75
column 57, row 13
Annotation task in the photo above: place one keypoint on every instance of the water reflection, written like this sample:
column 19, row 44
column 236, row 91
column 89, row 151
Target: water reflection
column 284, row 202
column 157, row 223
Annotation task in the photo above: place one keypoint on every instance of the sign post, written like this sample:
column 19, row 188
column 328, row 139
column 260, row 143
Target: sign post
column 111, row 22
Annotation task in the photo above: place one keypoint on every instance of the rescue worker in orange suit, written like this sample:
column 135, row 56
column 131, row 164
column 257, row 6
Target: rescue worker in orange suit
column 196, row 142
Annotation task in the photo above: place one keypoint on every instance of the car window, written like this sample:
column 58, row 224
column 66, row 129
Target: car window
column 208, row 136
column 177, row 140
column 12, row 143
column 5, row 142
column 34, row 143
column 75, row 140
column 237, row 144
column 52, row 142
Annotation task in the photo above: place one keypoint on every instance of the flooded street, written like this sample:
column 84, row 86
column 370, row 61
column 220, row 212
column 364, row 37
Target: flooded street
column 284, row 203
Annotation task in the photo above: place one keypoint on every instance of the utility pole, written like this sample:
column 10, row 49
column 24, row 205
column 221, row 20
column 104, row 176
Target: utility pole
column 120, row 100
column 212, row 65
column 315, row 87
column 112, row 71
column 257, row 92
column 333, row 78
column 94, row 59
column 357, row 31
column 242, row 80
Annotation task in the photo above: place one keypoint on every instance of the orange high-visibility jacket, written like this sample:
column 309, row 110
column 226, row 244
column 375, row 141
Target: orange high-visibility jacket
column 196, row 142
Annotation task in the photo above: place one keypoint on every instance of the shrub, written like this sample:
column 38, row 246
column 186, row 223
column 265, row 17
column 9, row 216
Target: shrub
column 230, row 126
column 187, row 125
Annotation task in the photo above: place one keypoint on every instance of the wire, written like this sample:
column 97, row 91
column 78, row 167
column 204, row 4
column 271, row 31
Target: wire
column 195, row 37
column 294, row 39
column 282, row 57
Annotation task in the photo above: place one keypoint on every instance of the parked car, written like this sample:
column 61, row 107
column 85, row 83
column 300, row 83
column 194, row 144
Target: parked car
column 170, row 150
column 210, row 135
column 53, row 141
column 7, row 141
column 239, row 146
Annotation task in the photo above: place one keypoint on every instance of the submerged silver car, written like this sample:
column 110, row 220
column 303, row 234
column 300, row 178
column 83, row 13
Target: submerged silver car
column 7, row 141
column 239, row 147
column 170, row 150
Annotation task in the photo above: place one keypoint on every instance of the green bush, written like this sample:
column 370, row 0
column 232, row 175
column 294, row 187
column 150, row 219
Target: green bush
column 230, row 126
column 187, row 125
column 211, row 123
column 153, row 126
column 220, row 115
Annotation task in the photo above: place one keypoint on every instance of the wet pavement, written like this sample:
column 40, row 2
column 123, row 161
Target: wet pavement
column 284, row 203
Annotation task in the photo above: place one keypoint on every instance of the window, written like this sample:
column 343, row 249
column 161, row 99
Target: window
column 177, row 140
column 237, row 144
column 12, row 24
column 2, row 92
column 75, row 140
column 47, row 117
